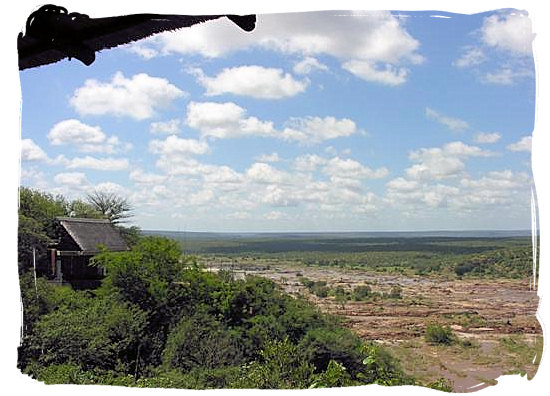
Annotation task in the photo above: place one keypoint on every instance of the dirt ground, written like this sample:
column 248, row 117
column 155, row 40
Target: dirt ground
column 494, row 320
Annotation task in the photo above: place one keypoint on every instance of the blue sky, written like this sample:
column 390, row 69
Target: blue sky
column 313, row 122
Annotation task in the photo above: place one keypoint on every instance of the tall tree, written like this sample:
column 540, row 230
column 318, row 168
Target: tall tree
column 110, row 205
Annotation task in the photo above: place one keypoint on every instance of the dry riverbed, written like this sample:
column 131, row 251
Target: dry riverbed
column 494, row 320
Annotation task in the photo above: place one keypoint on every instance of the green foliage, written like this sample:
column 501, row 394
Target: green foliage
column 201, row 341
column 381, row 367
column 361, row 292
column 323, row 344
column 441, row 384
column 395, row 292
column 40, row 206
column 440, row 335
column 279, row 367
column 36, row 228
column 319, row 288
column 79, row 208
column 89, row 332
column 142, row 276
column 334, row 376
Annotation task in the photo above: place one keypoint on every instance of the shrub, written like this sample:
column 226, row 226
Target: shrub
column 437, row 334
column 361, row 293
column 441, row 384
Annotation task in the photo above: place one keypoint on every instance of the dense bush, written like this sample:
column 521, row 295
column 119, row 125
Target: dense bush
column 437, row 334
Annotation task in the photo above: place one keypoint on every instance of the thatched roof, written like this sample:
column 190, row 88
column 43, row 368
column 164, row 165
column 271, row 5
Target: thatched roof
column 91, row 234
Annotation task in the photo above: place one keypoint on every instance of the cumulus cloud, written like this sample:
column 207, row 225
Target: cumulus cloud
column 507, row 37
column 261, row 172
column 273, row 157
column 228, row 120
column 85, row 138
column 317, row 129
column 524, row 144
column 254, row 81
column 487, row 138
column 225, row 120
column 140, row 177
column 170, row 127
column 308, row 162
column 73, row 179
column 110, row 188
column 509, row 32
column 369, row 71
column 345, row 170
column 30, row 151
column 174, row 146
column 454, row 124
column 138, row 97
column 88, row 162
column 308, row 65
column 373, row 37
column 498, row 189
column 442, row 162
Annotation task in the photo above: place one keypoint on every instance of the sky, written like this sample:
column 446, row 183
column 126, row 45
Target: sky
column 321, row 121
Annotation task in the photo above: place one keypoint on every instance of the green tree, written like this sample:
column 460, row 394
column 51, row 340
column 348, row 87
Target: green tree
column 202, row 341
column 110, row 205
column 36, row 227
column 79, row 208
column 280, row 367
column 437, row 334
column 89, row 332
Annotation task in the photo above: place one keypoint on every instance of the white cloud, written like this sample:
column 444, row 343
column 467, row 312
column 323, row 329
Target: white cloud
column 438, row 163
column 110, row 187
column 374, row 37
column 499, row 189
column 509, row 32
column 507, row 75
column 170, row 127
column 140, row 177
column 75, row 132
column 228, row 120
column 138, row 97
column 308, row 65
column 85, row 138
column 507, row 37
column 143, row 50
column 369, row 71
column 30, row 151
column 175, row 146
column 254, row 81
column 73, row 179
column 274, row 215
column 316, row 129
column 454, row 124
column 273, row 157
column 88, row 162
column 202, row 197
column 225, row 120
column 524, row 144
column 473, row 56
column 487, row 138
column 402, row 185
column 343, row 170
column 261, row 172
column 308, row 162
